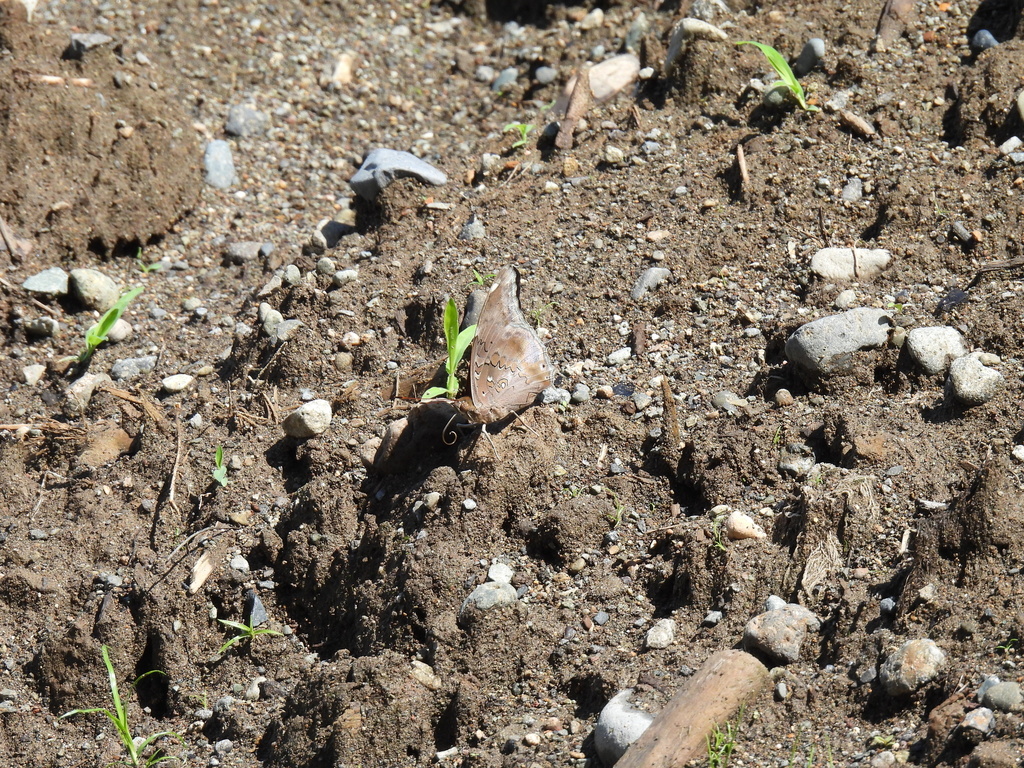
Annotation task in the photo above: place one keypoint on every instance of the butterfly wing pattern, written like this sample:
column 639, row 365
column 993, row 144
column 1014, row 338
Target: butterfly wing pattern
column 509, row 366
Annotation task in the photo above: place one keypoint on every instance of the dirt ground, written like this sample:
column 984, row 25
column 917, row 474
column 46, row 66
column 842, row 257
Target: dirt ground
column 609, row 507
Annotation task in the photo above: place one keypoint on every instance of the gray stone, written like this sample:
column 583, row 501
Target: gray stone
column 796, row 459
column 810, row 56
column 270, row 318
column 344, row 277
column 553, row 395
column 255, row 610
column 651, row 278
column 853, row 191
column 485, row 74
column 308, row 420
column 292, row 275
column 580, row 393
column 972, row 382
column 504, row 79
column 613, row 75
column 712, row 619
column 780, row 633
column 246, row 121
column 983, row 40
column 239, row 563
column 1010, row 146
column 223, row 746
column 325, row 266
column 94, row 289
column 620, row 356
column 546, row 75
column 42, row 327
column 826, row 346
column 601, row 618
column 777, row 97
column 286, row 330
column 500, row 573
column 849, row 263
column 131, row 367
column 219, row 165
column 241, row 252
column 934, row 348
column 913, row 665
column 473, row 229
column 383, row 166
column 618, row 726
column 980, row 720
column 661, row 635
column 493, row 594
column 846, row 299
column 49, row 282
column 1004, row 697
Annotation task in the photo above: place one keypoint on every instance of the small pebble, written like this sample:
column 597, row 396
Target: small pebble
column 246, row 121
column 49, row 282
column 219, row 165
column 810, row 56
column 618, row 726
column 620, row 356
column 176, row 383
column 383, row 166
column 661, row 635
column 983, row 40
column 308, row 420
column 971, row 382
column 94, row 289
column 651, row 278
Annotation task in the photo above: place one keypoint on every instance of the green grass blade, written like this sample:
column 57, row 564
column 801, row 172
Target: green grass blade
column 434, row 392
column 785, row 73
column 462, row 342
column 112, row 676
column 235, row 625
column 451, row 324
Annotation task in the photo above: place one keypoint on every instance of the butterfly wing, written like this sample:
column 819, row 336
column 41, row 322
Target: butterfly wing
column 509, row 365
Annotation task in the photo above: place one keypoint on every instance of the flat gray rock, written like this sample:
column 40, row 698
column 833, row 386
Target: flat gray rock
column 849, row 263
column 493, row 594
column 827, row 345
column 49, row 282
column 383, row 166
column 1004, row 697
column 651, row 278
column 131, row 367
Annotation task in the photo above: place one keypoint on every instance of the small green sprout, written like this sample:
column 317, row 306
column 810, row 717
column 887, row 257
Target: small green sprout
column 1008, row 646
column 119, row 717
column 145, row 268
column 717, row 532
column 785, row 73
column 481, row 279
column 97, row 334
column 886, row 741
column 458, row 343
column 220, row 471
column 245, row 632
column 616, row 518
column 721, row 745
column 524, row 131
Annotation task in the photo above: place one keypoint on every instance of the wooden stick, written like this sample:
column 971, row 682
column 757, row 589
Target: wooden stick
column 710, row 698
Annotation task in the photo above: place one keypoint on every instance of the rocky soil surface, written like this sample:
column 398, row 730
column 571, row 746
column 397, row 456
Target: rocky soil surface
column 787, row 414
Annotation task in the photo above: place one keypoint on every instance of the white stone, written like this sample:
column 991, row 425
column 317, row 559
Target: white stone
column 500, row 573
column 620, row 356
column 308, row 420
column 618, row 726
column 849, row 263
column 933, row 349
column 31, row 374
column 94, row 289
column 119, row 331
column 176, row 383
column 661, row 635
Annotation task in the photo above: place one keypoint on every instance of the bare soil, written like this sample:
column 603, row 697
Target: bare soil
column 601, row 506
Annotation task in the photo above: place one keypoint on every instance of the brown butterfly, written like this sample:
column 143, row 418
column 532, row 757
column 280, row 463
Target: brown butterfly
column 509, row 366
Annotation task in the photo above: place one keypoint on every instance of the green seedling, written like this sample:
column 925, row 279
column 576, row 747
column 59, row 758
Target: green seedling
column 458, row 343
column 145, row 268
column 97, row 334
column 1007, row 646
column 481, row 279
column 245, row 632
column 785, row 73
column 717, row 532
column 119, row 717
column 524, row 131
column 886, row 741
column 220, row 471
column 721, row 745
column 616, row 517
